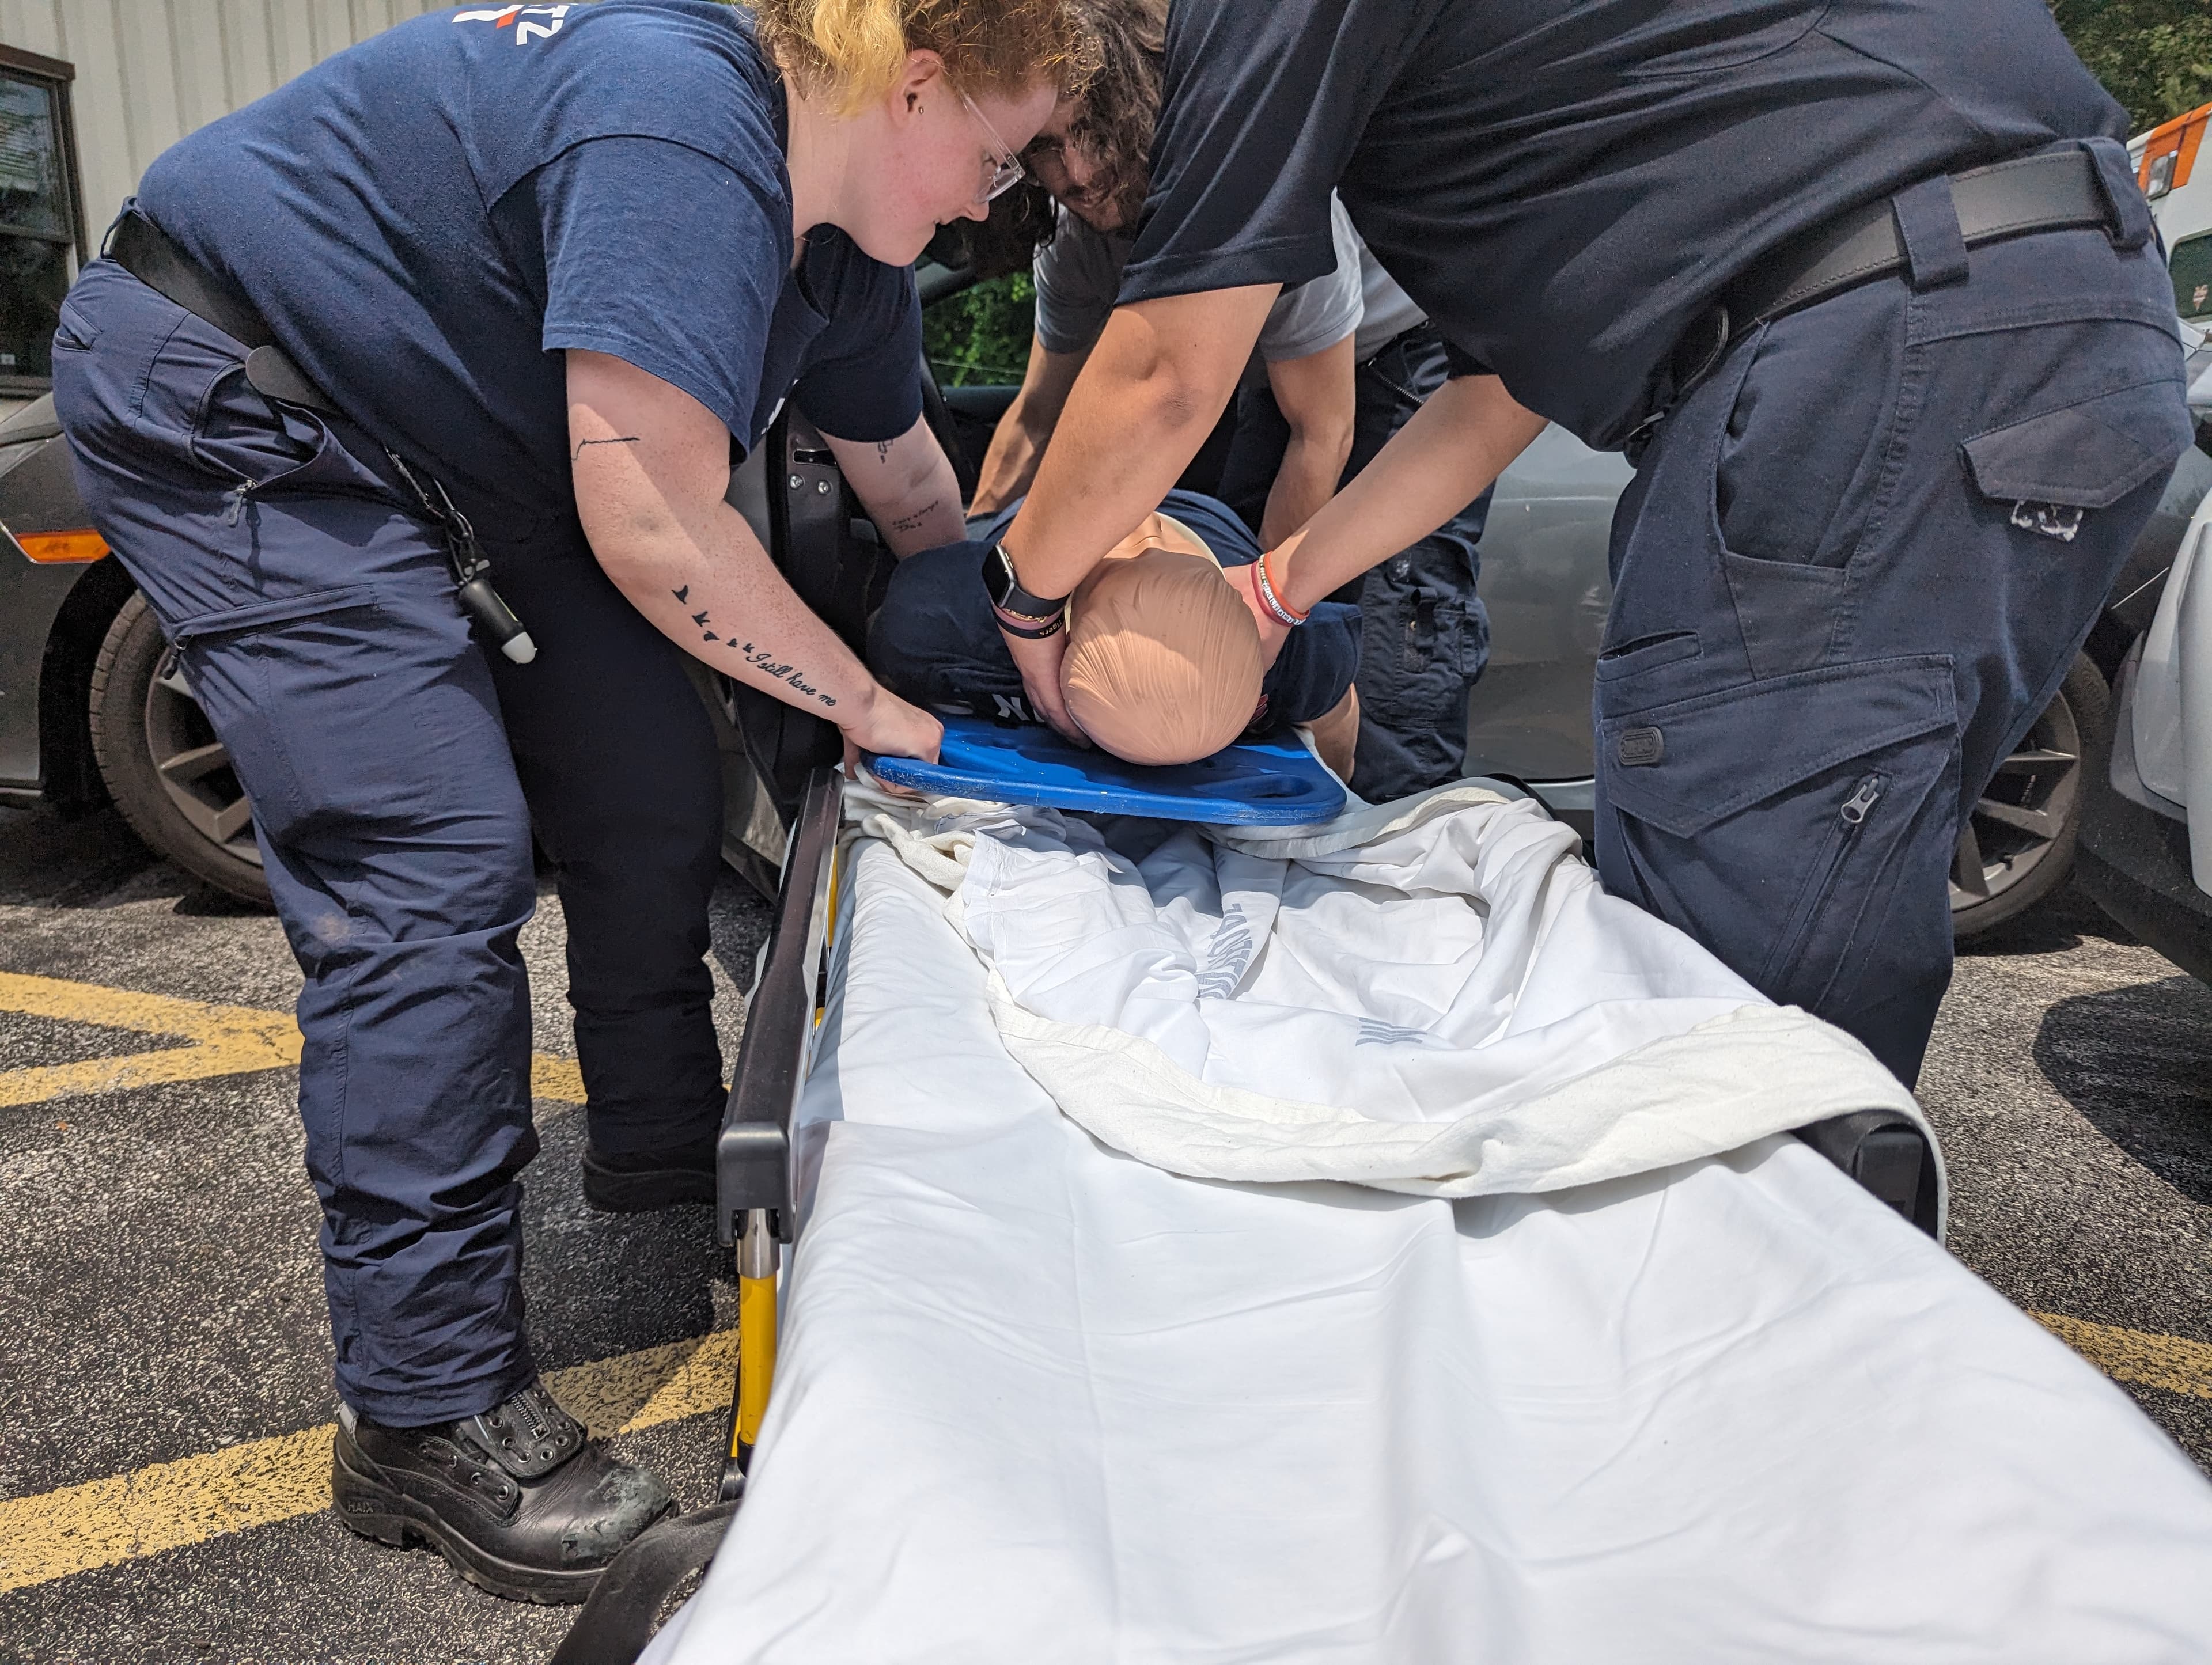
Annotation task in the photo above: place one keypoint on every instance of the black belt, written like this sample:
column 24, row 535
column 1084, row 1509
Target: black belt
column 2050, row 190
column 147, row 252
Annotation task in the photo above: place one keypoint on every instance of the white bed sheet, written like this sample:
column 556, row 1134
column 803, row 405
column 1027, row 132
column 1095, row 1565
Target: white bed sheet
column 1036, row 1401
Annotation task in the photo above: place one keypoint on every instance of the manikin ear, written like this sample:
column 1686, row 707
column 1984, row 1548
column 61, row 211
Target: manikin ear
column 925, row 76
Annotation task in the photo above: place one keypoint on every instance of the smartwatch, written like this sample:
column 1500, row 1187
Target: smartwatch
column 1008, row 596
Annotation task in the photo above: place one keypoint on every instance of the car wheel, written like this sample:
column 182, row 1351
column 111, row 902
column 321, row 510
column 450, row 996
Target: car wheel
column 164, row 767
column 2018, row 845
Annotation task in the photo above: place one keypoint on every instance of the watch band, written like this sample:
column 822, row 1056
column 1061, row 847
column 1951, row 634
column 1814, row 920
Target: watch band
column 1008, row 596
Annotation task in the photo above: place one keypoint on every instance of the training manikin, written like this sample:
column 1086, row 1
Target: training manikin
column 1163, row 661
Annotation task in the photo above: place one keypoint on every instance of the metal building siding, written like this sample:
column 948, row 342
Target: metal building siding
column 149, row 72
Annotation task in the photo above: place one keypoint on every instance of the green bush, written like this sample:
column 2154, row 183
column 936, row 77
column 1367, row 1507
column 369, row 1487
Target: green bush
column 2153, row 56
column 982, row 336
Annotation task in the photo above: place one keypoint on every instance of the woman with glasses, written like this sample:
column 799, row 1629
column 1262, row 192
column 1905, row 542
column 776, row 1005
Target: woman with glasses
column 508, row 282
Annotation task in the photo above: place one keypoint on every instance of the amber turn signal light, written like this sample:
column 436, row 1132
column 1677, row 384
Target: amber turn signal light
column 51, row 549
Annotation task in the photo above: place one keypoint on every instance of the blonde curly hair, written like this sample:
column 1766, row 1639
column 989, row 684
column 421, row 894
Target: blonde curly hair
column 851, row 52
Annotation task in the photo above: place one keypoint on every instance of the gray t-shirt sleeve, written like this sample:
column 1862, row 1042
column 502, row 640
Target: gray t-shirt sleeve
column 1322, row 311
column 1077, row 276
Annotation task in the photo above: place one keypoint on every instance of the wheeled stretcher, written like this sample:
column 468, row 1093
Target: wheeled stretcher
column 1035, row 1399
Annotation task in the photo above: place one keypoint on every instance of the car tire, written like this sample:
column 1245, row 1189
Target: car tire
column 168, row 773
column 2018, row 845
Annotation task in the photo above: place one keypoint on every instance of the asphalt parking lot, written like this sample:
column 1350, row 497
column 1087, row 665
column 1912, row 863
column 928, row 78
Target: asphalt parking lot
column 164, row 1377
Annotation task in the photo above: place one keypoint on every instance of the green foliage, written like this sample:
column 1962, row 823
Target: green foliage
column 980, row 337
column 2153, row 56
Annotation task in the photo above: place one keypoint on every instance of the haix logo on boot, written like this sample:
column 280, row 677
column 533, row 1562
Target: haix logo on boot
column 529, row 22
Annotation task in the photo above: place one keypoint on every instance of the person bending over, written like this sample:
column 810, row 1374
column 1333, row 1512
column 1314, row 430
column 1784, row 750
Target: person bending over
column 1164, row 663
column 1343, row 361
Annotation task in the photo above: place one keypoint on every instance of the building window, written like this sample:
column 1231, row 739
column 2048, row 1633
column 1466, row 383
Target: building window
column 41, row 224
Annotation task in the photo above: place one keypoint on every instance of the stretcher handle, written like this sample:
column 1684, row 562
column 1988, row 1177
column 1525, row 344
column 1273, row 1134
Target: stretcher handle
column 753, row 1157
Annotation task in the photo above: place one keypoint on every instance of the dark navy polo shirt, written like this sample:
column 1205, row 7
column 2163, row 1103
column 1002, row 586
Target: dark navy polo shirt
column 426, row 219
column 1563, row 184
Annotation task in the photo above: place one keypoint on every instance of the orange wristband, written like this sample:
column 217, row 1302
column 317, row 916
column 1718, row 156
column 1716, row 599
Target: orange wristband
column 1271, row 597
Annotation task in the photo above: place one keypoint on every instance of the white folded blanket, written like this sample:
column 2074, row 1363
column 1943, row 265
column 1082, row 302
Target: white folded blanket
column 1432, row 996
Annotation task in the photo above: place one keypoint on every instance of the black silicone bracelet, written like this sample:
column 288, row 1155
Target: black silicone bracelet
column 1038, row 632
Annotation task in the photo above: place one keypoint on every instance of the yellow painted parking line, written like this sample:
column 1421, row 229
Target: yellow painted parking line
column 2168, row 1363
column 219, row 1040
column 168, row 1506
column 555, row 1077
column 214, row 1040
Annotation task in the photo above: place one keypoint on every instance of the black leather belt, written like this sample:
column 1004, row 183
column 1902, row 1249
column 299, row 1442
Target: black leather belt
column 147, row 252
column 2050, row 190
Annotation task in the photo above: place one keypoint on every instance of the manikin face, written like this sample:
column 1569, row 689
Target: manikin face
column 1158, row 531
column 1067, row 166
column 929, row 156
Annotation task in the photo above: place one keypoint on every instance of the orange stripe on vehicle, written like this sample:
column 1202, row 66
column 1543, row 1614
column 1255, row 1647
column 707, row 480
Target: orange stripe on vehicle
column 2179, row 138
column 2192, row 139
column 54, row 549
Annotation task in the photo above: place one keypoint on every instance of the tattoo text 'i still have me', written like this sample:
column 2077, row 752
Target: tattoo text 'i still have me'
column 759, row 659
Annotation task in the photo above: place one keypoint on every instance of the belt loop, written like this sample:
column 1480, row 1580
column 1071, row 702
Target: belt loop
column 2117, row 178
column 1928, row 226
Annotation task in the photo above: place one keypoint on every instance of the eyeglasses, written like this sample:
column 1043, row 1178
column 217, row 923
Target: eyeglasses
column 1002, row 173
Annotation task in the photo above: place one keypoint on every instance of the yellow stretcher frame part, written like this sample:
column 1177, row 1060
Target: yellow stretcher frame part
column 756, row 1325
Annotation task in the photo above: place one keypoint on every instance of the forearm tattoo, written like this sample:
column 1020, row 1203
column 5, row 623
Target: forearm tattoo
column 627, row 439
column 908, row 522
column 761, row 660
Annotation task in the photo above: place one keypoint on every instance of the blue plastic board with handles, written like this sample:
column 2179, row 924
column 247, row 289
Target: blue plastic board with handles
column 1273, row 784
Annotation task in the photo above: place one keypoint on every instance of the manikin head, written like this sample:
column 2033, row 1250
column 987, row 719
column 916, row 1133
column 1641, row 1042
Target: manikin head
column 906, row 113
column 1164, row 663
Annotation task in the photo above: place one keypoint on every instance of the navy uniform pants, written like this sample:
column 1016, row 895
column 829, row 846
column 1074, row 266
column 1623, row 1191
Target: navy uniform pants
column 1424, row 636
column 395, row 773
column 1853, row 566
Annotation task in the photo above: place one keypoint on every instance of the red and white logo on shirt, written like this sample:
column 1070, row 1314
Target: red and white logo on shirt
column 529, row 22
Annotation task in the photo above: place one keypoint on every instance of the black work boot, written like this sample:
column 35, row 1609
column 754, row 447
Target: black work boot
column 636, row 1181
column 517, row 1499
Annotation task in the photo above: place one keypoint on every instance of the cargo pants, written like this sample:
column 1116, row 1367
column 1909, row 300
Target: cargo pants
column 397, row 773
column 1854, row 566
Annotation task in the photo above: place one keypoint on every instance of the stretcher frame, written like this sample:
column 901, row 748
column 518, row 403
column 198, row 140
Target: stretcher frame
column 756, row 1212
column 754, row 1215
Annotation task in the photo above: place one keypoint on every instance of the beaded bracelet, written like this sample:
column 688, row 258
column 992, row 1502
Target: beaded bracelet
column 1271, row 599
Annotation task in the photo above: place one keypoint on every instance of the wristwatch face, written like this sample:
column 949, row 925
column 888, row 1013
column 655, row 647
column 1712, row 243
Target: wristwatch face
column 998, row 575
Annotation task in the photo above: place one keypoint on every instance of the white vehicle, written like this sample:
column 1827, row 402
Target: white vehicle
column 2145, row 850
column 2181, row 203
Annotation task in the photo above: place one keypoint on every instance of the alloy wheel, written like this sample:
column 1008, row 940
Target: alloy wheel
column 194, row 766
column 2024, row 812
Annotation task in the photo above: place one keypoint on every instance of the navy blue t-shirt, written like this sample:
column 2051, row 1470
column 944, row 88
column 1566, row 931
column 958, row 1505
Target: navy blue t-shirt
column 426, row 219
column 1563, row 184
